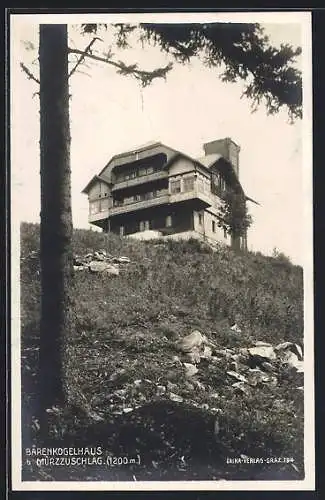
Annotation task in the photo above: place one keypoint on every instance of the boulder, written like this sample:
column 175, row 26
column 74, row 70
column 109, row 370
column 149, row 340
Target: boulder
column 190, row 370
column 193, row 356
column 238, row 376
column 266, row 352
column 123, row 260
column 235, row 328
column 98, row 256
column 207, row 352
column 260, row 343
column 161, row 389
column 266, row 366
column 176, row 397
column 290, row 346
column 242, row 387
column 96, row 266
column 256, row 376
column 292, row 360
column 191, row 341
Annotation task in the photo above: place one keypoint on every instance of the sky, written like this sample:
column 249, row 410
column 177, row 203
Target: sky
column 111, row 114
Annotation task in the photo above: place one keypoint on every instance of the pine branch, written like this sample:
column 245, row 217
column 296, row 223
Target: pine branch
column 29, row 73
column 83, row 56
column 145, row 77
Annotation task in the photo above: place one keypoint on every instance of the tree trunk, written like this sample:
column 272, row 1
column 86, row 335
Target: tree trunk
column 56, row 217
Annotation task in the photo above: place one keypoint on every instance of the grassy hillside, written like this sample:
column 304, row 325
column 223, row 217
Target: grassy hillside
column 127, row 325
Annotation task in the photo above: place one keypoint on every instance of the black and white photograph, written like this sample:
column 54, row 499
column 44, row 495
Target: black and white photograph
column 162, row 251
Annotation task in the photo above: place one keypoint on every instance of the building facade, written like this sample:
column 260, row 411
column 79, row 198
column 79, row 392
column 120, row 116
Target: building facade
column 156, row 191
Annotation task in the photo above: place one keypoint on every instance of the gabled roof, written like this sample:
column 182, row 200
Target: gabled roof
column 209, row 160
column 96, row 178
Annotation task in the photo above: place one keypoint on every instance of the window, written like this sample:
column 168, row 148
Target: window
column 200, row 219
column 213, row 226
column 175, row 186
column 94, row 207
column 188, row 183
column 168, row 221
column 121, row 230
column 141, row 226
column 146, row 225
column 225, row 232
column 104, row 205
column 200, row 184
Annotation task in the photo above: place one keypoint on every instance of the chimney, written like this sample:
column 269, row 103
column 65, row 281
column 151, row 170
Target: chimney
column 226, row 148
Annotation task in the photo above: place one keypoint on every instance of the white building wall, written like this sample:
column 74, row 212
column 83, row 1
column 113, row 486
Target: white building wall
column 203, row 225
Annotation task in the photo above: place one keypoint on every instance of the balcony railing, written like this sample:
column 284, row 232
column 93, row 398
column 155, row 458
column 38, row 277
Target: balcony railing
column 160, row 198
column 122, row 208
column 141, row 179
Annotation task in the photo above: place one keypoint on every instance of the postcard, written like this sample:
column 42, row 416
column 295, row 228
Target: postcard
column 162, row 251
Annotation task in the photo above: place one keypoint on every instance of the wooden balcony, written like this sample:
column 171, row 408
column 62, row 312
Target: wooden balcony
column 204, row 198
column 143, row 179
column 164, row 198
column 139, row 205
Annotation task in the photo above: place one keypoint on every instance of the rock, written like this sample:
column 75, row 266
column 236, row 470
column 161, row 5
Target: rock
column 171, row 386
column 235, row 328
column 266, row 366
column 80, row 268
column 283, row 346
column 103, row 267
column 290, row 346
column 190, row 370
column 260, row 343
column 191, row 341
column 127, row 410
column 176, row 397
column 98, row 256
column 161, row 389
column 256, row 377
column 207, row 352
column 241, row 387
column 199, row 385
column 194, row 356
column 188, row 385
column 123, row 260
column 292, row 360
column 266, row 352
column 299, row 351
column 236, row 375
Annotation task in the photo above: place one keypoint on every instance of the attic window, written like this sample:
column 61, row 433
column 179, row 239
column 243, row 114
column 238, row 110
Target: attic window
column 200, row 219
column 213, row 226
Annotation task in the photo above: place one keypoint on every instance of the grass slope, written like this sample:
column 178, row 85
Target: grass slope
column 126, row 327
